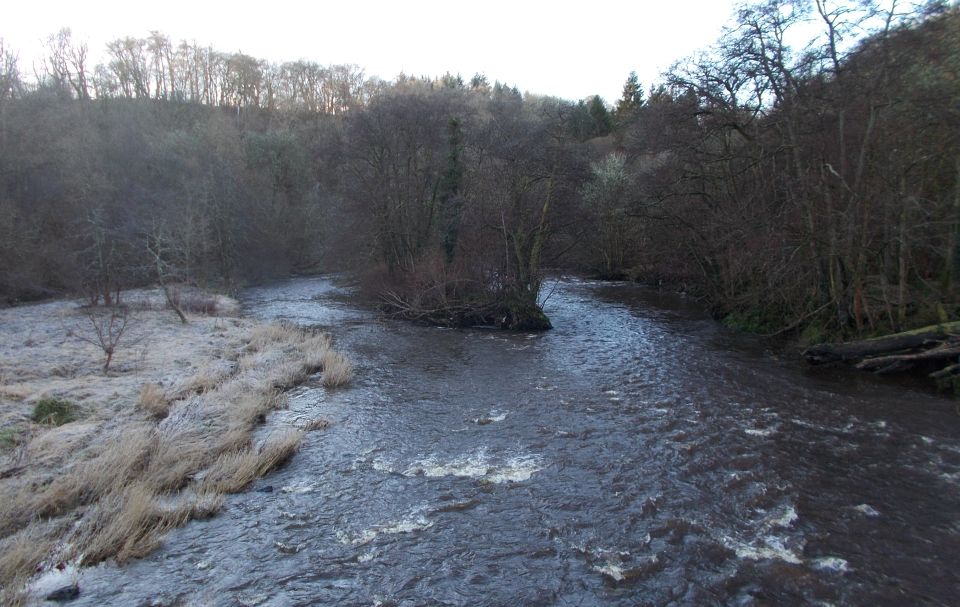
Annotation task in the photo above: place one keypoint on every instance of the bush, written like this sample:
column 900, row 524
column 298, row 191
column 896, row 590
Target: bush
column 194, row 301
column 754, row 320
column 54, row 411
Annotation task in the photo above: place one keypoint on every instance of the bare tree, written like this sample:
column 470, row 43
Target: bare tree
column 107, row 329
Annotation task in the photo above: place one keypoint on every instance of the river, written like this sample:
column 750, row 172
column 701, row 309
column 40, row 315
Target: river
column 637, row 454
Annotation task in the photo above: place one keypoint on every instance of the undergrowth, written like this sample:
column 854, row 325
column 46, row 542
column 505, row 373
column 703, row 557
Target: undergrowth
column 54, row 411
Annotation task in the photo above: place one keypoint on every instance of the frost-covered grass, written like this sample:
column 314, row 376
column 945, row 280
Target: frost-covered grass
column 146, row 447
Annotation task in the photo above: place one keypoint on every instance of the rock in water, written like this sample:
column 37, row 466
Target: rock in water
column 66, row 593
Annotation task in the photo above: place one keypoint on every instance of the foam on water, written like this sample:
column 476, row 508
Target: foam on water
column 408, row 524
column 289, row 548
column 831, row 563
column 298, row 487
column 768, row 547
column 382, row 466
column 760, row 431
column 478, row 465
column 785, row 518
column 867, row 510
column 612, row 570
column 491, row 417
column 53, row 578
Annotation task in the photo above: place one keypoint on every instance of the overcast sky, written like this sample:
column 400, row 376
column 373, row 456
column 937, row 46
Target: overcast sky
column 571, row 50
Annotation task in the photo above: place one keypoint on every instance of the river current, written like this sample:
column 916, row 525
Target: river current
column 637, row 454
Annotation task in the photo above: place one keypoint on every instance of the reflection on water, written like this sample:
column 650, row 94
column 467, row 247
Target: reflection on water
column 636, row 454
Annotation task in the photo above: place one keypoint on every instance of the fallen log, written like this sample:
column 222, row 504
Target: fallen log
column 946, row 372
column 901, row 362
column 898, row 343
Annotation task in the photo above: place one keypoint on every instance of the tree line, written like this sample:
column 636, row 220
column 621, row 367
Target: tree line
column 795, row 181
column 800, row 181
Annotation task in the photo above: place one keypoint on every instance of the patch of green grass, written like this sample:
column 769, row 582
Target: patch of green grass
column 812, row 335
column 753, row 321
column 54, row 411
column 9, row 438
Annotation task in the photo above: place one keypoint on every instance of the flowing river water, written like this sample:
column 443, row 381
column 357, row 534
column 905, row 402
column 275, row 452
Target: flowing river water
column 637, row 454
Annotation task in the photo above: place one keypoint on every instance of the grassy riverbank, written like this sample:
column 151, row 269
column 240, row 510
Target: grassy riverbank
column 98, row 463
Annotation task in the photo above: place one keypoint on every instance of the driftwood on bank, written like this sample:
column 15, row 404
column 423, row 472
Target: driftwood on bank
column 935, row 345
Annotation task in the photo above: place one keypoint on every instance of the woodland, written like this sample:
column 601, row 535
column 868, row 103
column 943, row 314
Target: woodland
column 800, row 175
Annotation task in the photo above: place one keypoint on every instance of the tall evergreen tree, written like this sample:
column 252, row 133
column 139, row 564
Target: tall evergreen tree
column 631, row 100
column 600, row 118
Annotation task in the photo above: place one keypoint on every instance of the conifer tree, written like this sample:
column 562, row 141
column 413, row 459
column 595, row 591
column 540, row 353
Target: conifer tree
column 631, row 100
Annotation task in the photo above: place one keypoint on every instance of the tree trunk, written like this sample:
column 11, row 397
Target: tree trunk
column 898, row 342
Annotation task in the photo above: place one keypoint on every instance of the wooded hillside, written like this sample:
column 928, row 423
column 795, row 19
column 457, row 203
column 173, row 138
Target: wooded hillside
column 801, row 175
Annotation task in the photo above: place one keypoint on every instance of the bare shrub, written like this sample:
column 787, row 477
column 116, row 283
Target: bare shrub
column 154, row 401
column 194, row 301
column 106, row 329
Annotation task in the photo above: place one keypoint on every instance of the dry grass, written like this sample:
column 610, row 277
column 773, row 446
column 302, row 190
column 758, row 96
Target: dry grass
column 127, row 478
column 176, row 457
column 235, row 471
column 278, row 448
column 204, row 380
column 84, row 483
column 119, row 463
column 14, row 392
column 232, row 472
column 248, row 409
column 20, row 557
column 313, row 425
column 235, row 438
column 287, row 375
column 313, row 351
column 125, row 524
column 154, row 401
column 203, row 505
column 265, row 335
column 337, row 370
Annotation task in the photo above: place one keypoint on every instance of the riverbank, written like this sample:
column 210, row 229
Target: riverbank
column 98, row 461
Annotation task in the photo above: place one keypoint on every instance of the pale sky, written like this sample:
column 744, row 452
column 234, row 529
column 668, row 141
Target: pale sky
column 567, row 49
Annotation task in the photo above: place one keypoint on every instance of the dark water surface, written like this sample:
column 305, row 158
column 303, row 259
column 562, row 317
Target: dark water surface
column 637, row 454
